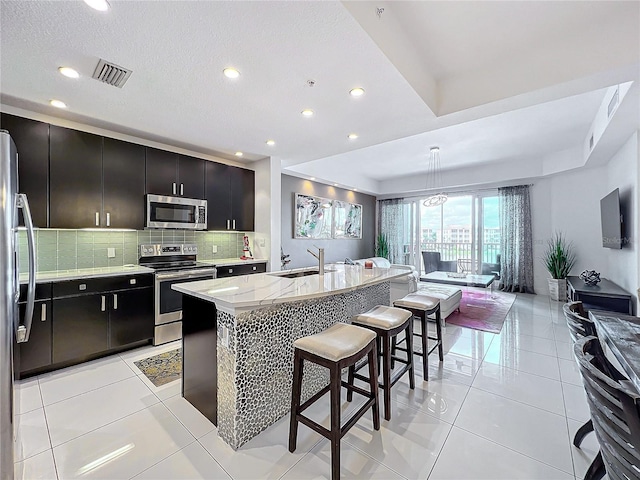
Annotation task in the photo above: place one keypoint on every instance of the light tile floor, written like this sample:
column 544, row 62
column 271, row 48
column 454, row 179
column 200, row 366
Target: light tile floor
column 499, row 407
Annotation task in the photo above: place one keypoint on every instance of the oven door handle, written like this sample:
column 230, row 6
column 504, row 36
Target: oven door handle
column 187, row 275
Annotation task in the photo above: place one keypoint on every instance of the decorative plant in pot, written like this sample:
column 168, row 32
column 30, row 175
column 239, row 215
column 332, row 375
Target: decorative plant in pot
column 559, row 259
column 382, row 246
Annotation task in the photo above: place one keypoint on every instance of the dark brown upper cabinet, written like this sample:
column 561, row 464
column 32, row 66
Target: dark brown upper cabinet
column 230, row 193
column 32, row 142
column 174, row 175
column 123, row 169
column 75, row 178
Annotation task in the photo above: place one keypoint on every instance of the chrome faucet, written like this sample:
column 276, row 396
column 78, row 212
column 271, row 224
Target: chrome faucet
column 320, row 257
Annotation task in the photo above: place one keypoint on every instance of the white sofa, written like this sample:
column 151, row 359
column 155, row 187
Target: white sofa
column 449, row 296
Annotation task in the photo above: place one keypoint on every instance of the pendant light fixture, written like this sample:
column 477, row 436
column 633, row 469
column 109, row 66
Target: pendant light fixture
column 434, row 179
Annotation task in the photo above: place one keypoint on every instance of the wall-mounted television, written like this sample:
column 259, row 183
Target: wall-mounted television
column 611, row 221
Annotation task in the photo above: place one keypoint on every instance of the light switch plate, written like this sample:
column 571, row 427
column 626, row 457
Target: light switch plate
column 215, row 249
column 111, row 252
column 225, row 336
column 261, row 242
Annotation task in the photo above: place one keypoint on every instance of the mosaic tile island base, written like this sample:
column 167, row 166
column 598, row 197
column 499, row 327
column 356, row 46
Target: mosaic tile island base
column 263, row 315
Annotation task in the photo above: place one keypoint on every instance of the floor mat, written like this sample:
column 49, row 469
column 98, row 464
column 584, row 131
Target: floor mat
column 482, row 310
column 163, row 368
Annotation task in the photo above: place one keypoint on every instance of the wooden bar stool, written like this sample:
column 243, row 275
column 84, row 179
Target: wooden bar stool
column 386, row 322
column 337, row 347
column 422, row 306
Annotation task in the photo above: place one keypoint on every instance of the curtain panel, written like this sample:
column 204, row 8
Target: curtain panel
column 391, row 224
column 516, row 243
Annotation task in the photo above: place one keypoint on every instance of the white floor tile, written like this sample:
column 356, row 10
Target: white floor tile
column 507, row 355
column 163, row 392
column 570, row 372
column 454, row 367
column 575, row 402
column 440, row 398
column 408, row 444
column 533, row 326
column 523, row 387
column 38, row 467
column 26, row 395
column 81, row 414
column 536, row 433
column 192, row 462
column 32, row 435
column 353, row 464
column 543, row 346
column 561, row 332
column 69, row 382
column 197, row 424
column 565, row 351
column 467, row 342
column 468, row 456
column 123, row 448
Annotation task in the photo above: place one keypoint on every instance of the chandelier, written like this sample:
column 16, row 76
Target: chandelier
column 434, row 179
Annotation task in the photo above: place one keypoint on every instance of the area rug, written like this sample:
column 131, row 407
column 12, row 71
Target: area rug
column 482, row 310
column 163, row 368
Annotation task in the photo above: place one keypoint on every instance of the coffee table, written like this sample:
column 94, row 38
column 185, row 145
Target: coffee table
column 468, row 280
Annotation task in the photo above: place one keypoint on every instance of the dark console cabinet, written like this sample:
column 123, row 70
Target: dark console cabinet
column 606, row 295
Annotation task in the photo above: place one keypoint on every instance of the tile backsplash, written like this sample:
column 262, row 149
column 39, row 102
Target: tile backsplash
column 71, row 249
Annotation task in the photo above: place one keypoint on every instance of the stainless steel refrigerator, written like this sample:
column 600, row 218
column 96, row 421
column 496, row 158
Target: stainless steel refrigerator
column 11, row 329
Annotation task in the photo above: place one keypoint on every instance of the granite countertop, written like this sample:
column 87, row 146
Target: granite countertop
column 76, row 274
column 248, row 292
column 223, row 262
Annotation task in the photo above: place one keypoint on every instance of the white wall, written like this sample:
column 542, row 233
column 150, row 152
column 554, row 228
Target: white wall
column 569, row 203
column 266, row 238
column 622, row 173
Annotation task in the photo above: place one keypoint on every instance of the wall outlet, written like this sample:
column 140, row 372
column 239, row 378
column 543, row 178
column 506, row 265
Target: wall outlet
column 261, row 242
column 111, row 252
column 215, row 249
column 225, row 337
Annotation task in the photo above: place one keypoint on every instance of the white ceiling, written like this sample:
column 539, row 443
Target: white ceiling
column 486, row 81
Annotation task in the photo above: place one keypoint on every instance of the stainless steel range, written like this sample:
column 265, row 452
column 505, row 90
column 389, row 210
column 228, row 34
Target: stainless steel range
column 173, row 263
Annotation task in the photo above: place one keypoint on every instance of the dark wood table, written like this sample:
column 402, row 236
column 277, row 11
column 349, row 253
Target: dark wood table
column 621, row 333
column 606, row 295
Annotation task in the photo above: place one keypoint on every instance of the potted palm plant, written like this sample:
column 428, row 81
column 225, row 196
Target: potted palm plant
column 559, row 259
column 382, row 246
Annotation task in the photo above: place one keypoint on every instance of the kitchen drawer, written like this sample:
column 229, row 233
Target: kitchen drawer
column 101, row 284
column 246, row 269
column 43, row 292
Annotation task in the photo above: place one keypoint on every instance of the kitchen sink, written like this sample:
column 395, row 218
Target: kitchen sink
column 302, row 273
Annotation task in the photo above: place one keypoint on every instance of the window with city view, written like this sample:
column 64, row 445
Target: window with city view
column 465, row 229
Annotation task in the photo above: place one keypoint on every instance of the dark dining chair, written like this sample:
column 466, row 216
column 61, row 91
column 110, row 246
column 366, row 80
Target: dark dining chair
column 614, row 404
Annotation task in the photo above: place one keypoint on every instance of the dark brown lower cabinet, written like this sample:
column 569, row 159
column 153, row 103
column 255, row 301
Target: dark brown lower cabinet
column 36, row 353
column 80, row 327
column 131, row 317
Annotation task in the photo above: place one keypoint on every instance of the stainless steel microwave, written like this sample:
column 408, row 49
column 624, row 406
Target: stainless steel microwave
column 176, row 212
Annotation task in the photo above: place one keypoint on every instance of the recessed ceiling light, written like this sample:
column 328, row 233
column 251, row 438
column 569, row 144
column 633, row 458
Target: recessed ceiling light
column 57, row 103
column 307, row 112
column 335, row 184
column 68, row 72
column 353, row 136
column 271, row 143
column 312, row 178
column 355, row 189
column 239, row 154
column 100, row 5
column 231, row 72
column 356, row 92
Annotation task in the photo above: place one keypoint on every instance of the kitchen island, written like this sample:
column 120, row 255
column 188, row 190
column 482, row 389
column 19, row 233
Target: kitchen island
column 238, row 336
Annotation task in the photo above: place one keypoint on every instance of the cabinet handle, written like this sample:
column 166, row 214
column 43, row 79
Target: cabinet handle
column 108, row 219
column 182, row 189
column 234, row 223
column 228, row 224
column 97, row 219
column 115, row 301
column 174, row 188
column 103, row 307
column 43, row 313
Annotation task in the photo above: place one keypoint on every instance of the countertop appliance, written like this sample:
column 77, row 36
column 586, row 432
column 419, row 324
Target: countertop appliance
column 172, row 263
column 175, row 212
column 10, row 328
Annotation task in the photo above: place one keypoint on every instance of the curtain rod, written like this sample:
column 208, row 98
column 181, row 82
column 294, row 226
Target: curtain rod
column 458, row 192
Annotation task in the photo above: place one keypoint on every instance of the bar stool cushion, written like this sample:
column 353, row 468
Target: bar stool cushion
column 417, row 301
column 336, row 342
column 383, row 317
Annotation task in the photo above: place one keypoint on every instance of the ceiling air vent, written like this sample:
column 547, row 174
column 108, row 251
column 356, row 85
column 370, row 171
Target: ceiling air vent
column 111, row 73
